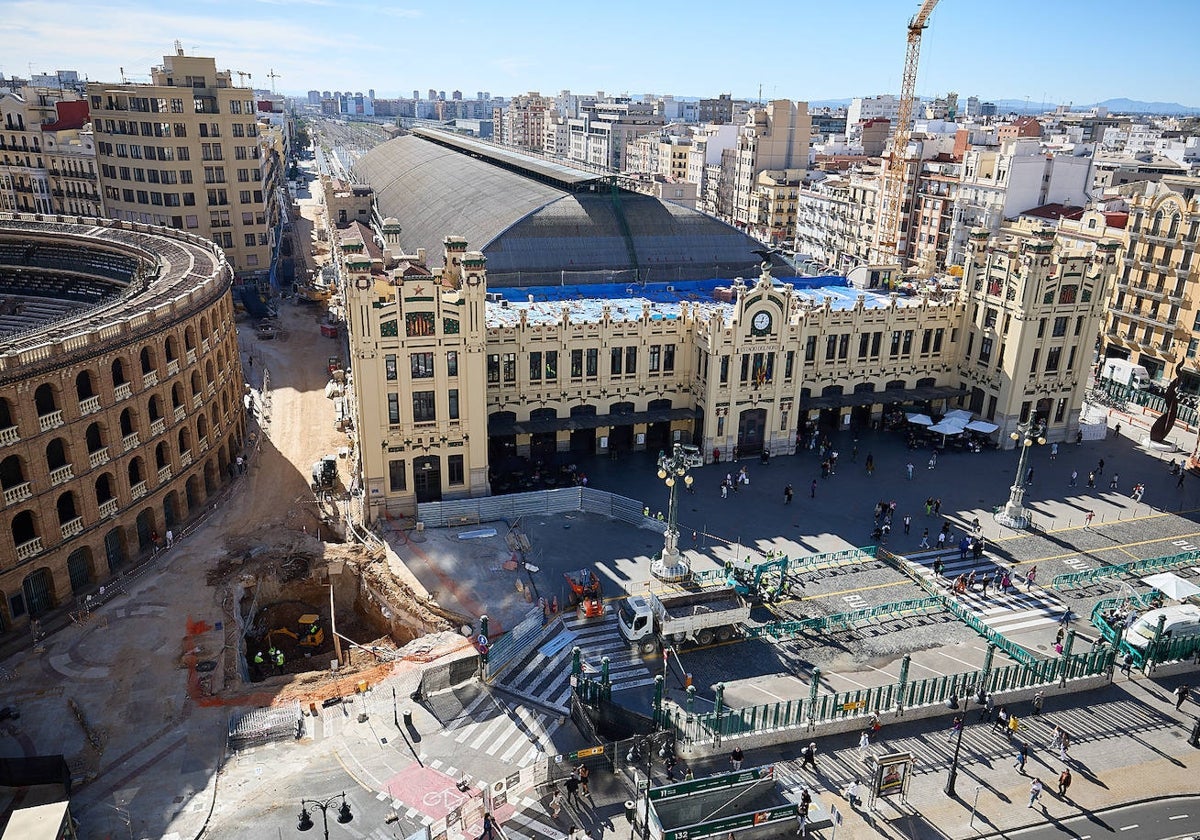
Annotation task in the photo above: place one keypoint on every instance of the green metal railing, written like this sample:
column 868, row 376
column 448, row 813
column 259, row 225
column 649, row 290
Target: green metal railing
column 798, row 565
column 844, row 621
column 1075, row 580
column 897, row 696
column 1156, row 403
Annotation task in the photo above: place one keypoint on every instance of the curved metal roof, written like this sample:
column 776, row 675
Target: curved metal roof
column 533, row 233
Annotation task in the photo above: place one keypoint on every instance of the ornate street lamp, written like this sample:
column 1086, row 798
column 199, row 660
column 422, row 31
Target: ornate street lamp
column 673, row 469
column 343, row 812
column 1013, row 514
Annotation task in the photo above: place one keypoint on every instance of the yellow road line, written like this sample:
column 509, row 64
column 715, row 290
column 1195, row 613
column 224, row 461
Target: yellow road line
column 1120, row 547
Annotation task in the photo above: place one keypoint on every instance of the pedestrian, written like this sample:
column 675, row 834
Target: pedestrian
column 1178, row 482
column 909, row 469
column 977, row 548
column 735, row 759
column 1127, row 664
column 987, row 582
column 572, row 785
column 1022, row 754
column 1014, row 726
column 724, row 490
column 851, row 793
column 241, row 464
column 1112, row 484
column 1092, row 479
column 787, row 494
column 933, row 461
column 1181, row 695
column 925, row 539
column 929, row 507
column 808, row 757
column 1088, row 517
column 938, row 565
column 833, row 456
column 989, row 704
column 1029, row 476
column 1058, row 637
column 1074, row 478
column 937, row 507
column 1100, row 467
column 583, row 772
column 956, row 726
column 1035, row 791
column 1031, row 576
column 1117, row 430
column 964, row 545
column 812, row 489
column 854, row 453
column 556, row 803
column 1064, row 744
column 941, row 540
column 489, row 827
column 1038, row 700
column 864, row 744
column 907, row 523
column 1053, row 451
column 170, row 538
column 1064, row 782
column 870, row 464
column 1001, row 719
column 278, row 662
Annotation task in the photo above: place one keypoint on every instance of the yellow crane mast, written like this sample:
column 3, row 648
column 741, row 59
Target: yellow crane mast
column 893, row 177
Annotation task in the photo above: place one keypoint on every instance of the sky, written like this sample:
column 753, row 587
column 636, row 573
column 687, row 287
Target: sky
column 1052, row 51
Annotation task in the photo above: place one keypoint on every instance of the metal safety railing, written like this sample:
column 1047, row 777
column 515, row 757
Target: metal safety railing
column 846, row 620
column 1076, row 580
column 799, row 565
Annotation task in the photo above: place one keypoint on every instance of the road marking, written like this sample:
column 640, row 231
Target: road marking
column 1178, row 817
column 1129, row 827
column 768, row 693
column 956, row 659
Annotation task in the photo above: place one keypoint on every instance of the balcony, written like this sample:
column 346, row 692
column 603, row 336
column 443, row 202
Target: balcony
column 9, row 436
column 29, row 549
column 50, row 421
column 72, row 527
column 150, row 379
column 109, row 507
column 61, row 475
column 172, row 367
column 1146, row 319
column 202, row 442
column 1152, row 292
column 191, row 356
column 185, row 458
column 138, row 490
column 180, row 413
column 1179, row 299
column 204, row 345
column 164, row 475
column 130, row 441
column 123, row 391
column 197, row 400
column 17, row 493
column 158, row 427
column 99, row 457
column 1159, row 239
column 89, row 406
column 212, row 389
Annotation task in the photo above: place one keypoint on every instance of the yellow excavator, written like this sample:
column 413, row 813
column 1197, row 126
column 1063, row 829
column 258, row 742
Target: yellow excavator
column 311, row 634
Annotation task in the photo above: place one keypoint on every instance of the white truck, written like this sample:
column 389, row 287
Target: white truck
column 700, row 616
column 1125, row 372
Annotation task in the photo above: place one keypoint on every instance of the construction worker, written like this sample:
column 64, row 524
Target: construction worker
column 278, row 662
column 258, row 663
column 313, row 629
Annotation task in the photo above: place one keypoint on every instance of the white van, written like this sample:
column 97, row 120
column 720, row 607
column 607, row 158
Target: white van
column 1183, row 622
column 1125, row 372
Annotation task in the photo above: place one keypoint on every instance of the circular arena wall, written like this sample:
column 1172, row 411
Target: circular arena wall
column 121, row 404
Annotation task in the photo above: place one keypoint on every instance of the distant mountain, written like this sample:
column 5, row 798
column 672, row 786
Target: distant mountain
column 1115, row 106
column 817, row 104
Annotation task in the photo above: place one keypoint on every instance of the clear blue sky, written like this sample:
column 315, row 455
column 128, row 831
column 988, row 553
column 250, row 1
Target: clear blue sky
column 1056, row 51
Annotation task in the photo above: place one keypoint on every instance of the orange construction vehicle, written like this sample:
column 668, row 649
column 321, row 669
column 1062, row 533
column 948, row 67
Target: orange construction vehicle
column 585, row 593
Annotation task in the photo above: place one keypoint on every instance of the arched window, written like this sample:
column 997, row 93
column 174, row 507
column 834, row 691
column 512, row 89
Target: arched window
column 104, row 489
column 45, row 400
column 128, row 423
column 24, row 528
column 85, row 385
column 161, row 456
column 148, row 362
column 56, row 454
column 94, row 437
column 154, row 408
column 189, row 338
column 171, row 348
column 66, row 508
column 176, row 395
column 6, row 417
column 197, row 385
column 136, row 471
column 12, row 472
column 119, row 374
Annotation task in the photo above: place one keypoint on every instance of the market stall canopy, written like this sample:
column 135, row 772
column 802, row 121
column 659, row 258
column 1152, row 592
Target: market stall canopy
column 959, row 415
column 947, row 427
column 920, row 419
column 981, row 426
column 1172, row 585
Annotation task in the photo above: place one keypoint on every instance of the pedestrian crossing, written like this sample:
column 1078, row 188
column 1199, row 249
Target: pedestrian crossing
column 1016, row 610
column 513, row 735
column 544, row 675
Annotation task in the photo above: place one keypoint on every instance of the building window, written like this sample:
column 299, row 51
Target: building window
column 906, row 348
column 926, row 340
column 1061, row 410
column 535, row 367
column 655, row 358
column 389, row 368
column 1053, row 355
column 1033, row 364
column 420, row 324
column 576, row 364
column 669, row 358
column 452, row 363
column 985, row 351
column 453, row 394
column 1025, row 406
column 510, row 368
column 1060, row 327
column 1068, row 294
column 593, row 362
column 493, row 368
column 810, row 350
column 789, row 362
column 393, row 409
column 455, row 474
column 424, row 407
column 551, row 365
column 895, row 348
column 614, row 366
column 745, row 368
column 720, row 427
column 397, row 477
column 724, row 370
column 630, row 360
column 421, row 365
column 864, row 341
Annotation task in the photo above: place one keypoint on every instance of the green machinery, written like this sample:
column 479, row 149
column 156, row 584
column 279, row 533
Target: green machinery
column 764, row 581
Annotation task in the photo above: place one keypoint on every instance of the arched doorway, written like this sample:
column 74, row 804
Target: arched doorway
column 210, row 477
column 860, row 415
column 79, row 569
column 752, row 424
column 427, row 478
column 620, row 434
column 114, row 550
column 829, row 416
column 171, row 509
column 584, row 440
column 145, row 529
column 658, row 435
column 502, row 448
column 192, row 492
column 543, row 446
column 38, row 588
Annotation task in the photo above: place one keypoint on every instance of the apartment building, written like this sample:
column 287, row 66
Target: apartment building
column 773, row 205
column 522, row 122
column 47, row 153
column 1154, row 315
column 601, row 137
column 186, row 151
column 774, row 137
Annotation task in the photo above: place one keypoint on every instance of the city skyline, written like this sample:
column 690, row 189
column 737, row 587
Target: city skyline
column 1080, row 58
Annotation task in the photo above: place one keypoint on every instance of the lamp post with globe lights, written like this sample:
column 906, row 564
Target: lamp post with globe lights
column 343, row 812
column 673, row 469
column 1013, row 514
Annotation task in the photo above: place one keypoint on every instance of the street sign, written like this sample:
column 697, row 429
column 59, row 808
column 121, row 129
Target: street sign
column 723, row 780
column 590, row 751
column 853, row 705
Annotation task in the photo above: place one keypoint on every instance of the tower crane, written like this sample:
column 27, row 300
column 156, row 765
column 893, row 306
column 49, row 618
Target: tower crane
column 893, row 177
column 272, row 75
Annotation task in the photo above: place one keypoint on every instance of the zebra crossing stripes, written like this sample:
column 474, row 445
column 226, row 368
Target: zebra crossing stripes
column 546, row 679
column 1004, row 612
column 513, row 736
